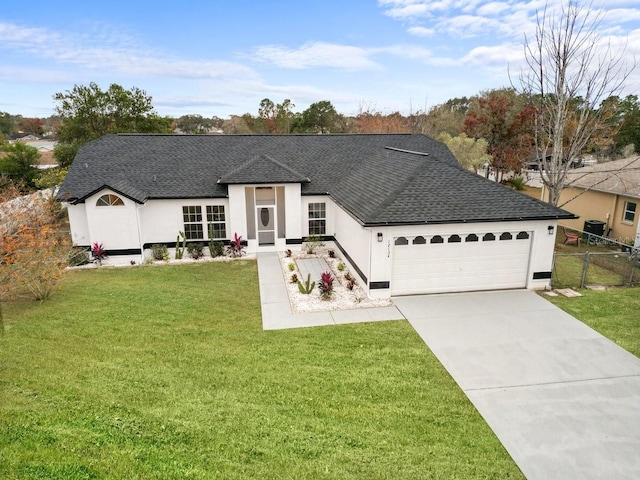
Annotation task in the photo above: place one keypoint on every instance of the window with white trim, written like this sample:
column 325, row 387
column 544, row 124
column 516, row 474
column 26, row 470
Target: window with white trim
column 199, row 227
column 192, row 217
column 109, row 200
column 317, row 219
column 216, row 224
column 629, row 214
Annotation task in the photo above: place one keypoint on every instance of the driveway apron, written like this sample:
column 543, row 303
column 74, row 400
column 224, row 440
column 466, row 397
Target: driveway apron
column 563, row 400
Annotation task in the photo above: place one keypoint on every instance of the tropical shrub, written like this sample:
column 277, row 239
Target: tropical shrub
column 236, row 247
column 98, row 252
column 325, row 285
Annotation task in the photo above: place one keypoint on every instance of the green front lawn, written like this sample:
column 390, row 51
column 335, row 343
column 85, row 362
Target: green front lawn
column 165, row 372
column 615, row 313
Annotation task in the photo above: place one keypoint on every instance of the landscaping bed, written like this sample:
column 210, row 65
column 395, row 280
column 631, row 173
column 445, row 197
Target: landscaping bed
column 346, row 293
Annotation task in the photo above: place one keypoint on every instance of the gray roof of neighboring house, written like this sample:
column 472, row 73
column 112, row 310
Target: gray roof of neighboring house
column 380, row 179
column 621, row 177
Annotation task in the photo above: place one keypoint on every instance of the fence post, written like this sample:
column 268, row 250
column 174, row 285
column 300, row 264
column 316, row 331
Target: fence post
column 585, row 267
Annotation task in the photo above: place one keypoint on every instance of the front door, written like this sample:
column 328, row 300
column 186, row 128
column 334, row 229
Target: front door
column 266, row 225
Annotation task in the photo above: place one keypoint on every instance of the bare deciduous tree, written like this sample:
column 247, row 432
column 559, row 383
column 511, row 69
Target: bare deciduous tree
column 570, row 72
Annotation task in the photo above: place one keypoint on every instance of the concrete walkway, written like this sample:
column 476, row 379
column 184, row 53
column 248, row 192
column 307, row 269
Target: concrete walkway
column 276, row 308
column 562, row 399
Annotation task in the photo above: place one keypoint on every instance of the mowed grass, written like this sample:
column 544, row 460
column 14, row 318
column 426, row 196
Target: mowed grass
column 165, row 372
column 615, row 313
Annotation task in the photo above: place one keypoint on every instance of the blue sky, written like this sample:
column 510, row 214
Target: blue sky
column 221, row 57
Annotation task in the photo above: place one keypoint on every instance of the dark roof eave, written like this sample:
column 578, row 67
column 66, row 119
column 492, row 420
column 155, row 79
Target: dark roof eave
column 474, row 220
column 77, row 200
column 262, row 182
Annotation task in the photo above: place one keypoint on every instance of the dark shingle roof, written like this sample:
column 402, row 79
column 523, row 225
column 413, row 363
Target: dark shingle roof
column 379, row 179
column 263, row 169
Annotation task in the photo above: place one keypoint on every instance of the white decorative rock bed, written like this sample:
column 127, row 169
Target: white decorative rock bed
column 341, row 299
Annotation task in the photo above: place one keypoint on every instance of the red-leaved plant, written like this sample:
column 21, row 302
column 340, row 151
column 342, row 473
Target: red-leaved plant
column 325, row 285
column 236, row 248
column 98, row 252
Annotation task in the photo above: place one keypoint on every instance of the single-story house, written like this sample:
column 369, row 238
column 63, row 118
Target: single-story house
column 607, row 192
column 405, row 216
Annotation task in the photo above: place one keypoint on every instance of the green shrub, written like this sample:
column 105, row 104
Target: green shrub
column 195, row 250
column 159, row 252
column 340, row 266
column 306, row 287
column 291, row 266
column 517, row 182
column 216, row 249
column 312, row 242
column 78, row 256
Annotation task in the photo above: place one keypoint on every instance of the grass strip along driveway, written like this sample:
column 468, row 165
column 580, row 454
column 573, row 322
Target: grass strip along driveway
column 165, row 372
column 614, row 313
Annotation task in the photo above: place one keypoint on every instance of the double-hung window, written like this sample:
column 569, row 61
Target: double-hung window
column 192, row 217
column 197, row 227
column 629, row 213
column 317, row 219
column 216, row 226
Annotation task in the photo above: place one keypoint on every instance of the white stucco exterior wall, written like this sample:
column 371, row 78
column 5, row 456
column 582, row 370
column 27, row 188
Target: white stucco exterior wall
column 237, row 207
column 293, row 210
column 352, row 237
column 116, row 227
column 78, row 224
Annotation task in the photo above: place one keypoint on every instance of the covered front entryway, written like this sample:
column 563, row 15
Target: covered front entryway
column 265, row 214
column 460, row 262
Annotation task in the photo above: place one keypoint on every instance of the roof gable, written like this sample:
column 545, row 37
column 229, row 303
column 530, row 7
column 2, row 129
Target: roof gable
column 263, row 169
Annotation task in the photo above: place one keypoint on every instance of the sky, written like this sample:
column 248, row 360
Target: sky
column 220, row 57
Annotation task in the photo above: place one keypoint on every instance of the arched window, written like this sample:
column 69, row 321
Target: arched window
column 401, row 241
column 472, row 237
column 454, row 239
column 506, row 236
column 109, row 200
column 488, row 237
column 419, row 240
column 522, row 236
column 437, row 239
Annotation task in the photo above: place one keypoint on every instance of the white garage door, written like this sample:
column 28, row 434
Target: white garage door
column 460, row 262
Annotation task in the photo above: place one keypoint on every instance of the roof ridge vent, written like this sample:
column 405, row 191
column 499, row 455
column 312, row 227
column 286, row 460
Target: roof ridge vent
column 424, row 154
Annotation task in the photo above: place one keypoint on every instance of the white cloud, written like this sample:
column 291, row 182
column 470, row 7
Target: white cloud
column 421, row 31
column 318, row 54
column 105, row 51
column 493, row 8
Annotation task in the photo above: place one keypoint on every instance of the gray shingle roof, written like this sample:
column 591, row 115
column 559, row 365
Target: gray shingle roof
column 380, row 179
column 263, row 169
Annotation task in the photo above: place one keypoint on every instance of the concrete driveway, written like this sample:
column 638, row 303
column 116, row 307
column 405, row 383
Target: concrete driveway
column 562, row 399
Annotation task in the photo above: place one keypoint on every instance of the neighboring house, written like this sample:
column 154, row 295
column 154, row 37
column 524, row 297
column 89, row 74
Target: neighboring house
column 406, row 217
column 607, row 192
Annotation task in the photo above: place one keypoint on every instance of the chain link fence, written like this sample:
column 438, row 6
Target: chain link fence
column 598, row 261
